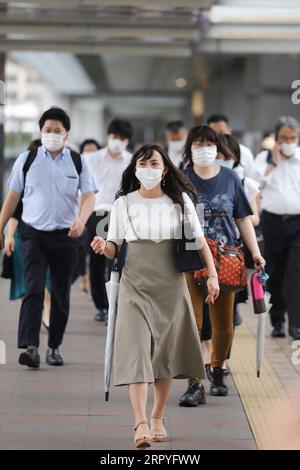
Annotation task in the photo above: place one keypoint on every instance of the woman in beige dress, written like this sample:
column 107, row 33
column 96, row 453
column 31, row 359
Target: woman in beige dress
column 156, row 336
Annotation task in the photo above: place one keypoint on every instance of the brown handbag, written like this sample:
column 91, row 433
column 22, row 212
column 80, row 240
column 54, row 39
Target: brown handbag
column 230, row 266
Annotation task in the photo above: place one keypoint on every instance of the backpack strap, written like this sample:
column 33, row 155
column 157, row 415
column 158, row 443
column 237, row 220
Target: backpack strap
column 76, row 157
column 29, row 161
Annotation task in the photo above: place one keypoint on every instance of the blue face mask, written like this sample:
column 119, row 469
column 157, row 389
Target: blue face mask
column 226, row 163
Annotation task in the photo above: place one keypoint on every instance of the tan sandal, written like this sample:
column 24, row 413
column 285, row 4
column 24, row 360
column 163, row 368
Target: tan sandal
column 158, row 436
column 144, row 441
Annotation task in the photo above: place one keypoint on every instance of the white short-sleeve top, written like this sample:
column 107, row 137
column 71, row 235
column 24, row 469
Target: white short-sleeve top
column 134, row 217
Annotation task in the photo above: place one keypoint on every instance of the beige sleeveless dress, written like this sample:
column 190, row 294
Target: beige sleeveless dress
column 156, row 334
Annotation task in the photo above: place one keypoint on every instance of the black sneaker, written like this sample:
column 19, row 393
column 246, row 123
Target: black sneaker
column 194, row 396
column 30, row 357
column 101, row 315
column 294, row 332
column 278, row 332
column 209, row 373
column 218, row 387
column 54, row 357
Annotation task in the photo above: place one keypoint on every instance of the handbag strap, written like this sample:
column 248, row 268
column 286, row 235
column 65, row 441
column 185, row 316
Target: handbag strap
column 129, row 219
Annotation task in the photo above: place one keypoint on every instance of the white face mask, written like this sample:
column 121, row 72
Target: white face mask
column 53, row 142
column 149, row 177
column 288, row 150
column 116, row 145
column 176, row 146
column 204, row 156
column 225, row 163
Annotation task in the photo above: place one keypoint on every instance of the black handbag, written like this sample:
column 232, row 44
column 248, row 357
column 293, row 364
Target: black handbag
column 7, row 267
column 187, row 255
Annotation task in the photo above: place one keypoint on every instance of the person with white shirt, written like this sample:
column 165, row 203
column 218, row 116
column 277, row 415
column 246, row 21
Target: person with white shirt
column 280, row 221
column 176, row 134
column 220, row 124
column 264, row 157
column 156, row 336
column 88, row 145
column 107, row 166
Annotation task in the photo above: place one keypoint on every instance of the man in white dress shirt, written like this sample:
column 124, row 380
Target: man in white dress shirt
column 264, row 157
column 220, row 124
column 176, row 134
column 107, row 167
column 280, row 222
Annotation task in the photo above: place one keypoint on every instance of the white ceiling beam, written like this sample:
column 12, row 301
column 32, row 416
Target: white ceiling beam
column 249, row 46
column 251, row 15
column 226, row 31
column 121, row 3
column 94, row 48
column 261, row 3
column 93, row 31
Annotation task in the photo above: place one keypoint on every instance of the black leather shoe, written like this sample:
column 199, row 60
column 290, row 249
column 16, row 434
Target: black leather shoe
column 278, row 332
column 209, row 373
column 54, row 357
column 294, row 332
column 30, row 357
column 101, row 315
column 218, row 387
column 194, row 396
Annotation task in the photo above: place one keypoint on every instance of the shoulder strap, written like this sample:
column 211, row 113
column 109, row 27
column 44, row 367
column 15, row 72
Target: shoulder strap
column 76, row 157
column 129, row 219
column 29, row 161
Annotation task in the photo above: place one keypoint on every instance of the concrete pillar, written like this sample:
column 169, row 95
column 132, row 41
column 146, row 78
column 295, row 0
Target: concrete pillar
column 88, row 120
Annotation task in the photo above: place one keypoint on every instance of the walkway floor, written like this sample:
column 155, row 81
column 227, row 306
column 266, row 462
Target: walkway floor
column 64, row 408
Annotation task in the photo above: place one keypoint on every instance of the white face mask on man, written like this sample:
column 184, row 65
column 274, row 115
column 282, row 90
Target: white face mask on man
column 53, row 142
column 149, row 177
column 204, row 156
column 116, row 145
column 176, row 146
column 288, row 150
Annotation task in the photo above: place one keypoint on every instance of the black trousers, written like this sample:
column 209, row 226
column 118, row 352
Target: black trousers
column 282, row 252
column 100, row 267
column 98, row 274
column 42, row 249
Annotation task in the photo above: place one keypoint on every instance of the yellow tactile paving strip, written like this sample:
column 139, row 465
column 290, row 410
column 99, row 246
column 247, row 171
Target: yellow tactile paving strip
column 274, row 422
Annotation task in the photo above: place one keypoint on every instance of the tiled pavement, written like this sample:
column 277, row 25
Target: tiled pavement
column 64, row 408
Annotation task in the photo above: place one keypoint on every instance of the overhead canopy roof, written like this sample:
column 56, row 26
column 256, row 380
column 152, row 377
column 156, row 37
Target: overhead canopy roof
column 155, row 42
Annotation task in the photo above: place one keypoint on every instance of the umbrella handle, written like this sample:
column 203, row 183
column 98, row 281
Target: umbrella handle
column 115, row 265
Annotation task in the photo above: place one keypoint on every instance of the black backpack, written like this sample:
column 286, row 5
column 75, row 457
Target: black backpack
column 29, row 161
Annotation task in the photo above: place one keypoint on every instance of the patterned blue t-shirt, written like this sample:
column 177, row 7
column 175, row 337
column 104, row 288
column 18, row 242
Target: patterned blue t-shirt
column 221, row 199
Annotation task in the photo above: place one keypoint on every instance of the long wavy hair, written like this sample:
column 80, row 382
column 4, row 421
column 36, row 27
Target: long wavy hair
column 175, row 181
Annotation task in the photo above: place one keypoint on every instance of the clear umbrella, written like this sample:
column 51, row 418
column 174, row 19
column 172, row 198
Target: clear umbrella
column 112, row 288
column 258, row 281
